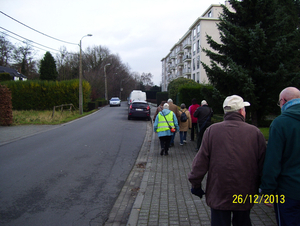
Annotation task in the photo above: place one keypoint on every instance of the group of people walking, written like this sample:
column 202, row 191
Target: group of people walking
column 196, row 117
column 242, row 169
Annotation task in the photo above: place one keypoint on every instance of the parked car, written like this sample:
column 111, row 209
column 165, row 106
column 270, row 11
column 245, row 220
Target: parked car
column 115, row 101
column 139, row 109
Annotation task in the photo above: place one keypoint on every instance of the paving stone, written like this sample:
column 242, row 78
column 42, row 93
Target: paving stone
column 165, row 197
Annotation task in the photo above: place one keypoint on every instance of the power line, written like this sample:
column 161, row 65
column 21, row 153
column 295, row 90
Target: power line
column 37, row 30
column 23, row 41
column 28, row 39
column 5, row 34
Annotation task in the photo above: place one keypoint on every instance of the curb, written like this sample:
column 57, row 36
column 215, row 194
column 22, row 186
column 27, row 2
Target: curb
column 133, row 218
column 128, row 202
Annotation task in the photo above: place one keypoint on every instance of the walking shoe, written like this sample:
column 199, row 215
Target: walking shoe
column 184, row 141
column 181, row 144
column 166, row 153
column 162, row 151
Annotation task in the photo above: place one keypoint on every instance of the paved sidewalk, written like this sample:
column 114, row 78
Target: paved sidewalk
column 164, row 196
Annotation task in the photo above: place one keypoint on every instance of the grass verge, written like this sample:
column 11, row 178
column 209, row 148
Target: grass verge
column 45, row 117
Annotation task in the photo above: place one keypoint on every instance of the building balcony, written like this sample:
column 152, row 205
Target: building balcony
column 186, row 71
column 187, row 46
column 180, row 53
column 180, row 64
column 187, row 58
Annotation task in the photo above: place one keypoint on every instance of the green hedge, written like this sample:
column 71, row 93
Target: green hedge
column 5, row 77
column 161, row 96
column 201, row 92
column 6, row 116
column 43, row 95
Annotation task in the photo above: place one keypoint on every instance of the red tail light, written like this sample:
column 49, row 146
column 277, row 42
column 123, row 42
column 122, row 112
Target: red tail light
column 130, row 106
column 148, row 107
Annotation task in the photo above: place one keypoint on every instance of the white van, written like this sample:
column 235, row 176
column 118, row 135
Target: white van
column 136, row 95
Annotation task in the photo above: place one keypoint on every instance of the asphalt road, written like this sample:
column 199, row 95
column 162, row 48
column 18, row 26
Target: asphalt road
column 72, row 174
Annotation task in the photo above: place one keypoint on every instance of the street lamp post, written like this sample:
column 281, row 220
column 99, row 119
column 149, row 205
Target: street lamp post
column 105, row 81
column 121, row 89
column 80, row 77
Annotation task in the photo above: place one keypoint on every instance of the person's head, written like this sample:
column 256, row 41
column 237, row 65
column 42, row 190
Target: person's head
column 166, row 106
column 182, row 106
column 235, row 103
column 170, row 101
column 162, row 103
column 288, row 94
column 194, row 101
column 203, row 102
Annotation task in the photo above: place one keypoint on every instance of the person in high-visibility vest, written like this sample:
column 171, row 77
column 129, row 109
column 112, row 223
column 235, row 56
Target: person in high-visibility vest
column 162, row 123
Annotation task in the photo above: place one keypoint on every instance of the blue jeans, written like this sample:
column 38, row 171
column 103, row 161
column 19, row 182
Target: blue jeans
column 172, row 138
column 182, row 136
column 288, row 213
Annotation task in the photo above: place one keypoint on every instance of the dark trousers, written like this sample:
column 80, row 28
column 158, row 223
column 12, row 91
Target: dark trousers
column 199, row 137
column 165, row 142
column 172, row 139
column 201, row 130
column 194, row 130
column 223, row 218
column 288, row 213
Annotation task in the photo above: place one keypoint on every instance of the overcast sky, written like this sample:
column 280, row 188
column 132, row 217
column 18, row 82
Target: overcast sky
column 141, row 32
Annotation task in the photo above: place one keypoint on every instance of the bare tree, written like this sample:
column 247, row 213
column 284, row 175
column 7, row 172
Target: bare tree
column 23, row 56
column 146, row 79
column 6, row 48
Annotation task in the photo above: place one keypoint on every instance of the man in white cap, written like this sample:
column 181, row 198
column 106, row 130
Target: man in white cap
column 232, row 152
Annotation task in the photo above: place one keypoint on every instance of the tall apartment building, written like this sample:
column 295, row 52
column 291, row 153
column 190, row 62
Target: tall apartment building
column 185, row 56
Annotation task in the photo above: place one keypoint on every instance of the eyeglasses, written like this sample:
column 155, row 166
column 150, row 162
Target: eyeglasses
column 278, row 103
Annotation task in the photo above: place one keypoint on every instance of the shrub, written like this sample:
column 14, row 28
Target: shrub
column 5, row 77
column 161, row 96
column 43, row 95
column 6, row 116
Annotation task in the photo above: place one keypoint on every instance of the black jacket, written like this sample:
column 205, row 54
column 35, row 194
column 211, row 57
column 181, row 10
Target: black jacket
column 203, row 113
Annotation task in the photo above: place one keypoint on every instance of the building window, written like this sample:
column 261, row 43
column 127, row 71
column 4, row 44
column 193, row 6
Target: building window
column 194, row 76
column 198, row 29
column 194, row 64
column 198, row 62
column 198, row 46
column 209, row 14
column 194, row 49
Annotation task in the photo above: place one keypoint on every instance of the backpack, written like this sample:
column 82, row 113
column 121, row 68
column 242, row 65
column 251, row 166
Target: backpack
column 183, row 117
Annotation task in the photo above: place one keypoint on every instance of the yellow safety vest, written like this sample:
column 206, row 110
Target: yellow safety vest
column 162, row 123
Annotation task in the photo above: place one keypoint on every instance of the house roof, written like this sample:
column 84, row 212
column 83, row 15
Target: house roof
column 12, row 72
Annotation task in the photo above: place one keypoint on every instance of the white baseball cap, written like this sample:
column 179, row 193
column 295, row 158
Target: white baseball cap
column 234, row 103
column 203, row 102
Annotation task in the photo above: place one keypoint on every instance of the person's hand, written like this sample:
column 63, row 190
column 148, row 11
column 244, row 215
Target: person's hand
column 198, row 192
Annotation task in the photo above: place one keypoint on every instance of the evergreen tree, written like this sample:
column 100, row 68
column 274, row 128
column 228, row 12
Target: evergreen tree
column 259, row 52
column 48, row 68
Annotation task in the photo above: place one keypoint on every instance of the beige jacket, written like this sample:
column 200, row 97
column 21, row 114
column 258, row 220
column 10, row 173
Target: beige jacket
column 184, row 126
column 174, row 108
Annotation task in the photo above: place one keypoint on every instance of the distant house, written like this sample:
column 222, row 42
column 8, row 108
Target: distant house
column 13, row 73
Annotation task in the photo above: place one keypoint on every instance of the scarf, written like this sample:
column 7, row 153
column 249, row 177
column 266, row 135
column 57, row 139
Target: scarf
column 289, row 104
